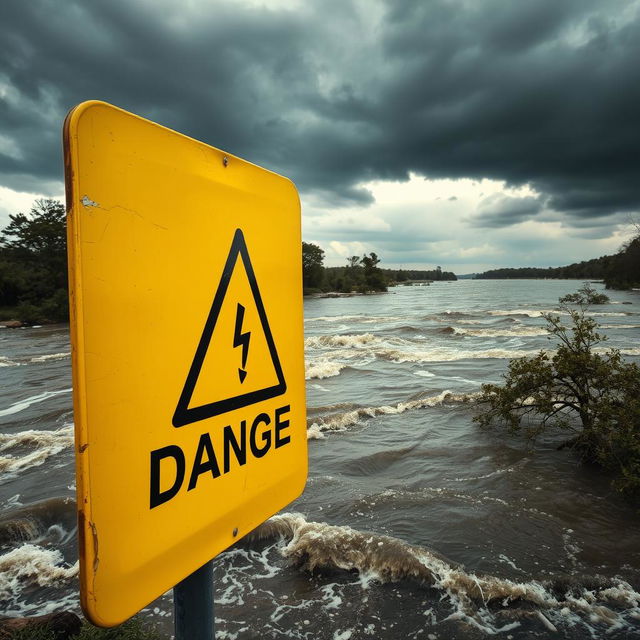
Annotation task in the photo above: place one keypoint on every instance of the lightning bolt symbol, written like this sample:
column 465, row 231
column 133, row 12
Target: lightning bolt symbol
column 241, row 339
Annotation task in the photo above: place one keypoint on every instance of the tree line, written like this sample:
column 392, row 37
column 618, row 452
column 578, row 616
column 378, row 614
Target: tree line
column 361, row 273
column 33, row 268
column 618, row 271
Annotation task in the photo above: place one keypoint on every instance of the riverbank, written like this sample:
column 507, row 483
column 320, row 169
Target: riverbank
column 12, row 324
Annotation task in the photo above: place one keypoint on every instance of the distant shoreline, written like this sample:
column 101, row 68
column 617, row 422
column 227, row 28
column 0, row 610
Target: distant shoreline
column 342, row 294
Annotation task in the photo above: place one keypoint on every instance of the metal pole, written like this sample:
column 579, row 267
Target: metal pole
column 193, row 605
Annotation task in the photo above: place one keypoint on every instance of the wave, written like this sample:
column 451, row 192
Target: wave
column 46, row 443
column 407, row 329
column 538, row 313
column 33, row 521
column 319, row 342
column 27, row 402
column 327, row 368
column 347, row 347
column 342, row 420
column 513, row 332
column 625, row 352
column 7, row 362
column 619, row 326
column 529, row 313
column 366, row 319
column 38, row 438
column 478, row 599
column 399, row 496
column 440, row 354
column 51, row 356
column 460, row 317
column 32, row 564
column 319, row 369
column 449, row 331
column 331, row 367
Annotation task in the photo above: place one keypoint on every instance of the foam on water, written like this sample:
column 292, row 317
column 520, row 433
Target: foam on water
column 51, row 356
column 259, row 581
column 620, row 326
column 443, row 354
column 365, row 352
column 477, row 599
column 400, row 350
column 520, row 331
column 484, row 476
column 323, row 368
column 538, row 313
column 26, row 566
column 354, row 319
column 530, row 313
column 42, row 443
column 341, row 421
column 27, row 402
column 22, row 360
column 318, row 342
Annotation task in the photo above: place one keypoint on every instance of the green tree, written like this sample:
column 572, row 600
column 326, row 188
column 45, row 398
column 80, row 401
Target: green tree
column 353, row 276
column 33, row 263
column 39, row 237
column 591, row 395
column 373, row 276
column 312, row 265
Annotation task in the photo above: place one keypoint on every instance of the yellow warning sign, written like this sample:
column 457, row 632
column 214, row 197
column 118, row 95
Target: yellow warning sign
column 187, row 334
column 218, row 386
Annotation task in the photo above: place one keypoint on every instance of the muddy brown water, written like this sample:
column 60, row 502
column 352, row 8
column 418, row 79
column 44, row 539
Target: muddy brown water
column 414, row 523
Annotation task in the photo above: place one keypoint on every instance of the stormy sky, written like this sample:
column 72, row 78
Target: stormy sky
column 469, row 134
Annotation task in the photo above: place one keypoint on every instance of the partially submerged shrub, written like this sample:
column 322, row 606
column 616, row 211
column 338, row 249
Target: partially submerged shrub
column 585, row 296
column 592, row 395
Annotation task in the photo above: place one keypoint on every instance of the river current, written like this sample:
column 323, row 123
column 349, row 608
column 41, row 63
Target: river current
column 415, row 523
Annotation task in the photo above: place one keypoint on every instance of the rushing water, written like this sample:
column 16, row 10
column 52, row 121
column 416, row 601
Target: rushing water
column 414, row 523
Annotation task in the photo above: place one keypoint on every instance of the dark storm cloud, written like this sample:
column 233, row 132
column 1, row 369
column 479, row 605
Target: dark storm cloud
column 498, row 210
column 545, row 92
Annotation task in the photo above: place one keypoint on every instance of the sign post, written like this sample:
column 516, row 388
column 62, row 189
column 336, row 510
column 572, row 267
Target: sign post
column 187, row 351
column 193, row 610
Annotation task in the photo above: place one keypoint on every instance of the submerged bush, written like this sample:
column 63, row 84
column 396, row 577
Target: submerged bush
column 593, row 396
column 585, row 296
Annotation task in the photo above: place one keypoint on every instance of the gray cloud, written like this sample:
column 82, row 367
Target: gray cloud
column 498, row 210
column 546, row 93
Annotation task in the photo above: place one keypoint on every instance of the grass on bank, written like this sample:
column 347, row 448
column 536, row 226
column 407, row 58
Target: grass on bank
column 134, row 629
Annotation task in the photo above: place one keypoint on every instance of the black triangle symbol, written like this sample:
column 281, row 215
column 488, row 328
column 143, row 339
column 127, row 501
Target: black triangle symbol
column 184, row 414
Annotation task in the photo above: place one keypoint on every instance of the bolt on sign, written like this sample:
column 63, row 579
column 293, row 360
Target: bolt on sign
column 187, row 351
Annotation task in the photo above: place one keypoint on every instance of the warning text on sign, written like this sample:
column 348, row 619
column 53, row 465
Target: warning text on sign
column 249, row 439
